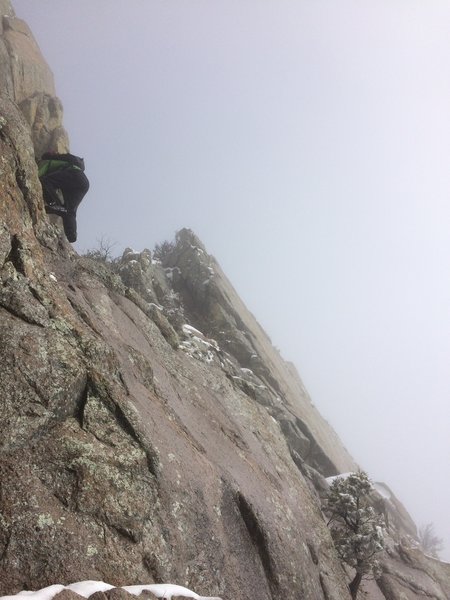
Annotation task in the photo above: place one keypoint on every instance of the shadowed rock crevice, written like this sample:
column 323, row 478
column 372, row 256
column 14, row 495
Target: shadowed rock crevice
column 23, row 185
column 79, row 413
column 98, row 407
column 304, row 449
column 15, row 255
column 327, row 588
column 150, row 564
column 259, row 538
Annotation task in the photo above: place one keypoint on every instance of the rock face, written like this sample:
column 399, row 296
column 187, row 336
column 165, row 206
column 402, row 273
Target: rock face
column 211, row 304
column 125, row 459
column 149, row 431
column 26, row 78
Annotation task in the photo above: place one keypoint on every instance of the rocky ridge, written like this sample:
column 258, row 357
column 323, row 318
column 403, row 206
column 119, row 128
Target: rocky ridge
column 149, row 430
column 26, row 78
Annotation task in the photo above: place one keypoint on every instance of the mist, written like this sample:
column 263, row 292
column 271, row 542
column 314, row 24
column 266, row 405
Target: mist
column 307, row 144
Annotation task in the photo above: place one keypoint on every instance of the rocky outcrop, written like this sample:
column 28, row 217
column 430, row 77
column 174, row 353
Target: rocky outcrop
column 149, row 431
column 27, row 79
column 211, row 304
column 125, row 459
column 396, row 516
column 407, row 573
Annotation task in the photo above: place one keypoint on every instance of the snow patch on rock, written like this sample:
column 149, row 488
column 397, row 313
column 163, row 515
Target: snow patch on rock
column 198, row 346
column 87, row 588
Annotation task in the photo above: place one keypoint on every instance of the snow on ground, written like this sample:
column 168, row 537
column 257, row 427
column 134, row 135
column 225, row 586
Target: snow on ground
column 189, row 330
column 381, row 488
column 87, row 588
column 44, row 594
column 194, row 349
column 248, row 371
column 340, row 476
column 157, row 306
column 165, row 590
column 198, row 345
column 197, row 249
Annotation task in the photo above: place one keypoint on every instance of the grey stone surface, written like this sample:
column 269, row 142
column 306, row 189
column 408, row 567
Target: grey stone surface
column 27, row 79
column 125, row 459
column 134, row 449
column 6, row 8
column 98, row 596
column 119, row 594
column 67, row 595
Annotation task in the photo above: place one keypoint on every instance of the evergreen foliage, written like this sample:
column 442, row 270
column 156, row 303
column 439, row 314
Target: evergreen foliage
column 356, row 528
column 162, row 250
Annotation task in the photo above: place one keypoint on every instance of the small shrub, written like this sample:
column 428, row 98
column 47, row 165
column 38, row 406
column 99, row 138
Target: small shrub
column 103, row 252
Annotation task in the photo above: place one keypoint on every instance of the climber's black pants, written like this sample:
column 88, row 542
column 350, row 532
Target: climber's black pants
column 73, row 184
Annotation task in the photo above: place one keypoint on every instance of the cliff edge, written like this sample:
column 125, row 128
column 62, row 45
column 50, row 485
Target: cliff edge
column 150, row 432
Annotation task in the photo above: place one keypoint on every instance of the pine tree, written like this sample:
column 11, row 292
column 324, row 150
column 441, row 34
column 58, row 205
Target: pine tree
column 356, row 529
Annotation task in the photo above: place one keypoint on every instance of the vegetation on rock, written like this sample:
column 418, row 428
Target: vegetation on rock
column 103, row 252
column 356, row 529
column 429, row 542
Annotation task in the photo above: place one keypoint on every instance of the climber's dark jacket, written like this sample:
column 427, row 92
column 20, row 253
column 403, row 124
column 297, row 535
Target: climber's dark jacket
column 64, row 186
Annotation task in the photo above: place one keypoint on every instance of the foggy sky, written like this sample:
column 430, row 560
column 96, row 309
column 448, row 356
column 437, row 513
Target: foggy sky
column 307, row 144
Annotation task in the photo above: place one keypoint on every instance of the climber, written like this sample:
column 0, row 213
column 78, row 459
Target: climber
column 64, row 186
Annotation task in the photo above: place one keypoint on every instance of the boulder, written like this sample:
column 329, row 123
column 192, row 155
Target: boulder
column 119, row 594
column 67, row 595
column 98, row 596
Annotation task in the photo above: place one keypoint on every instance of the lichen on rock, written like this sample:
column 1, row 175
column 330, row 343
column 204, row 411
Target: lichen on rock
column 125, row 457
